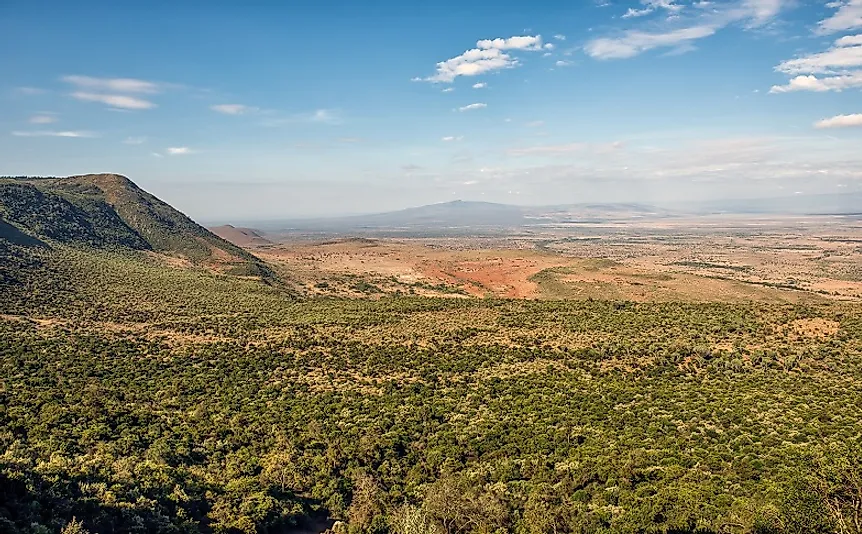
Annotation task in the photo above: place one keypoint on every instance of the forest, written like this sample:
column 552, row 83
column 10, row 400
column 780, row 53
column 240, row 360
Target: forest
column 140, row 398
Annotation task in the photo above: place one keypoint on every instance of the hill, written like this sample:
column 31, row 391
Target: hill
column 242, row 237
column 110, row 212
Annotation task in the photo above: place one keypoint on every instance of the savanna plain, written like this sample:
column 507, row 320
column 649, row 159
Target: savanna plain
column 671, row 374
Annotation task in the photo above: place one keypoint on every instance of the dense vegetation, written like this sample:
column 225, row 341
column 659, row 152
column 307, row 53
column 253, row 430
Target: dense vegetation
column 140, row 398
column 108, row 211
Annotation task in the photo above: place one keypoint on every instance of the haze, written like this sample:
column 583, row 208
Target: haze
column 252, row 113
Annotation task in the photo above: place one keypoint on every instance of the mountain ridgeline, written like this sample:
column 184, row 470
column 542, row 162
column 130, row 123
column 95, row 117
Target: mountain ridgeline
column 110, row 212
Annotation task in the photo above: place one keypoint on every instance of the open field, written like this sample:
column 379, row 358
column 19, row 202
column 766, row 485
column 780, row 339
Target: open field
column 726, row 259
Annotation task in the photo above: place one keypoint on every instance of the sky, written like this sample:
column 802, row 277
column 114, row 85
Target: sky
column 275, row 110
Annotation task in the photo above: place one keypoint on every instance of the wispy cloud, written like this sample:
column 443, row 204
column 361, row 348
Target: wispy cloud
column 179, row 151
column 54, row 133
column 326, row 116
column 30, row 91
column 836, row 69
column 847, row 17
column 43, row 118
column 319, row 116
column 470, row 107
column 560, row 37
column 841, row 121
column 633, row 42
column 843, row 55
column 233, row 109
column 565, row 149
column 135, row 140
column 115, row 101
column 480, row 85
column 451, row 138
column 449, row 90
column 118, row 85
column 703, row 19
column 489, row 55
column 118, row 93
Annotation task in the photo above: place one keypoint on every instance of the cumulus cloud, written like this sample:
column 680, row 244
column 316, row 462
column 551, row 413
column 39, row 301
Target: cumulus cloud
column 835, row 69
column 488, row 56
column 847, row 17
column 52, row 133
column 841, row 121
column 477, row 105
column 820, row 85
column 480, row 85
column 232, row 109
column 522, row 42
column 115, row 101
column 42, row 118
column 653, row 5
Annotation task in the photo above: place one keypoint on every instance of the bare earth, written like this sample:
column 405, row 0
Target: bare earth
column 705, row 259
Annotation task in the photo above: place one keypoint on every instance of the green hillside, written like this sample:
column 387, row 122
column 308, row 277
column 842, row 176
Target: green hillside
column 110, row 212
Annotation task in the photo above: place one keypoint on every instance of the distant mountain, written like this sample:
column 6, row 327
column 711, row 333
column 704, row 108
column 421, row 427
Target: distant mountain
column 825, row 204
column 242, row 237
column 108, row 211
column 460, row 217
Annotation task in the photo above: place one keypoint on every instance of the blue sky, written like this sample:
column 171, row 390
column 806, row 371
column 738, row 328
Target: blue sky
column 285, row 109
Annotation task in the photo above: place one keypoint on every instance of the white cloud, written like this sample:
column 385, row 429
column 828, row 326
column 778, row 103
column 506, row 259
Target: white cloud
column 835, row 60
column 521, row 42
column 549, row 46
column 683, row 26
column 841, row 121
column 820, row 85
column 448, row 90
column 487, row 57
column 849, row 40
column 232, row 109
column 43, row 118
column 115, row 85
column 848, row 16
column 653, row 5
column 838, row 67
column 115, row 101
column 480, row 85
column 560, row 37
column 327, row 116
column 179, row 151
column 478, row 105
column 563, row 63
column 52, row 133
column 633, row 42
column 135, row 140
column 451, row 138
